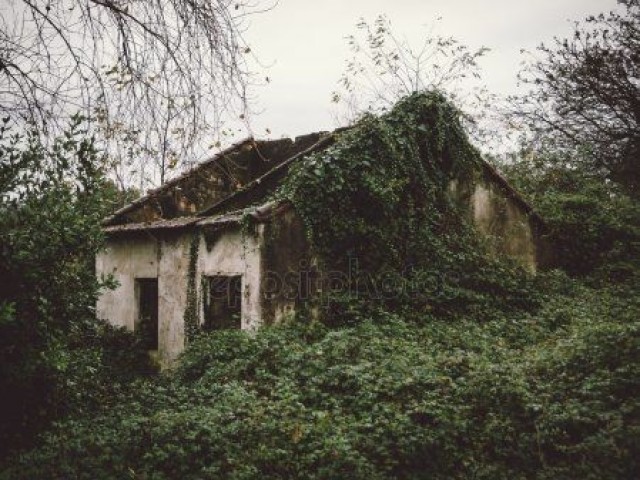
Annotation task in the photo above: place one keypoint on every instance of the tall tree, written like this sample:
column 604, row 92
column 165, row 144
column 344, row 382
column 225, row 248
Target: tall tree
column 384, row 67
column 154, row 77
column 585, row 95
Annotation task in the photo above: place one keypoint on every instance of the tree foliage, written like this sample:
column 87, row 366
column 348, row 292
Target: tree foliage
column 585, row 97
column 51, row 209
column 593, row 225
column 52, row 200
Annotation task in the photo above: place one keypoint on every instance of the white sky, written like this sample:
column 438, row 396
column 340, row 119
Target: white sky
column 302, row 44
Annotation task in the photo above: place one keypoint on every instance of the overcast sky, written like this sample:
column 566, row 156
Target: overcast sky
column 303, row 46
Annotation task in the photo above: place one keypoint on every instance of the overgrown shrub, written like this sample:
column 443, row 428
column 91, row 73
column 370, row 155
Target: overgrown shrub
column 51, row 347
column 551, row 395
column 593, row 226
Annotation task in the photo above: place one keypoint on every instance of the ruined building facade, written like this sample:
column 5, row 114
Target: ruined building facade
column 208, row 250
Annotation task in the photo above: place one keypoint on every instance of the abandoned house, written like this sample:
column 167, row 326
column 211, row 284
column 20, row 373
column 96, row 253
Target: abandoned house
column 183, row 248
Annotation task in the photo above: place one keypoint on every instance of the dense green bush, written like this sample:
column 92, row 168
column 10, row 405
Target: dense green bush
column 551, row 395
column 53, row 353
column 593, row 226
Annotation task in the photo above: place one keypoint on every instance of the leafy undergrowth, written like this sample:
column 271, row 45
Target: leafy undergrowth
column 554, row 394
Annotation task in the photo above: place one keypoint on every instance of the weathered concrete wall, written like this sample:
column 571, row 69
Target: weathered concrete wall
column 286, row 265
column 125, row 259
column 507, row 227
column 167, row 258
column 235, row 252
column 147, row 257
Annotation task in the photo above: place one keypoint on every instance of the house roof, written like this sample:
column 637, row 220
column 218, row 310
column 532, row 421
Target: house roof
column 267, row 179
column 231, row 209
column 165, row 224
column 234, row 169
column 260, row 214
column 174, row 181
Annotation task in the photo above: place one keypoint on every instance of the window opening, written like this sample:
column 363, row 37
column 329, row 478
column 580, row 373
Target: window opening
column 147, row 321
column 222, row 302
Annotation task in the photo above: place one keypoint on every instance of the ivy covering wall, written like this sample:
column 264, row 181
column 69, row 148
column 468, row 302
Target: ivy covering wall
column 376, row 204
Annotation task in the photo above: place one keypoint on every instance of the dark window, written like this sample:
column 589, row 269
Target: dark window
column 222, row 302
column 147, row 324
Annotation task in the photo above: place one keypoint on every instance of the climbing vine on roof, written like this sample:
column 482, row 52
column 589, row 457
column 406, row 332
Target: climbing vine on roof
column 376, row 205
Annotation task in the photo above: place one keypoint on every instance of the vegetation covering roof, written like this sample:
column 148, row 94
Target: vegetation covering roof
column 260, row 188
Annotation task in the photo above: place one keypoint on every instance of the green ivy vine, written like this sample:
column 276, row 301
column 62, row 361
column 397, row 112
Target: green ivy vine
column 191, row 318
column 377, row 198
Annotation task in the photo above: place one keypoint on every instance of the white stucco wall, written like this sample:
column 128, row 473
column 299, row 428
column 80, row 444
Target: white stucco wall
column 126, row 260
column 167, row 258
column 173, row 273
column 236, row 253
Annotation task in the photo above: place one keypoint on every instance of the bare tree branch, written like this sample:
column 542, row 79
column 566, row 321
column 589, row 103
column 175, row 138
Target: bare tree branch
column 385, row 67
column 158, row 73
column 585, row 95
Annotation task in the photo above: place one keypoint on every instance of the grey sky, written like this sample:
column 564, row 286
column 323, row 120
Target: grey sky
column 302, row 43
